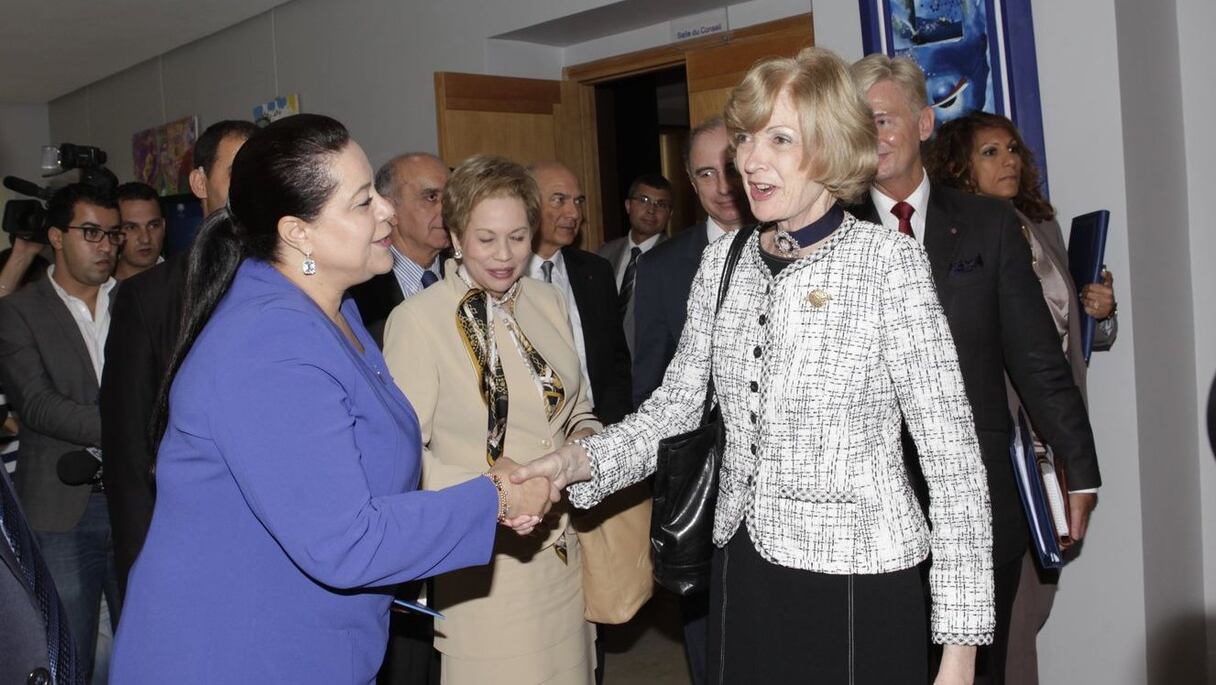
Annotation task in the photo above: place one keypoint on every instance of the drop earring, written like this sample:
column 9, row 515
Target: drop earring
column 457, row 253
column 309, row 266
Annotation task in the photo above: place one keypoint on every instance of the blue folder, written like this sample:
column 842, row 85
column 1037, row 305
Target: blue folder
column 1034, row 500
column 1086, row 254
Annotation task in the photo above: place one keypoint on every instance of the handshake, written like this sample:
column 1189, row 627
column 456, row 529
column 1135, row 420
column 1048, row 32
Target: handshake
column 531, row 490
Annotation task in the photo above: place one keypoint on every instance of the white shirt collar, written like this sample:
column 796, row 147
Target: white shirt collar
column 103, row 293
column 712, row 230
column 559, row 266
column 645, row 244
column 919, row 199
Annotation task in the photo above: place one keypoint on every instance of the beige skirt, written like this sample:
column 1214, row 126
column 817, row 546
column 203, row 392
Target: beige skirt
column 518, row 620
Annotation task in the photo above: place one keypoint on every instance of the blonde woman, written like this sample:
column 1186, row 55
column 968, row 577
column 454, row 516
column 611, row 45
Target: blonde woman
column 488, row 361
column 830, row 333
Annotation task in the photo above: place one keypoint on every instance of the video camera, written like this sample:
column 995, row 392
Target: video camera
column 27, row 218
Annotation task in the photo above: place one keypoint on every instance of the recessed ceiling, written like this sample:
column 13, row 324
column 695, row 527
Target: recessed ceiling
column 49, row 48
column 608, row 20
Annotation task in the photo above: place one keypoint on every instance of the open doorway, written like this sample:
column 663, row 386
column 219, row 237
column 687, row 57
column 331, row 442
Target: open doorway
column 642, row 125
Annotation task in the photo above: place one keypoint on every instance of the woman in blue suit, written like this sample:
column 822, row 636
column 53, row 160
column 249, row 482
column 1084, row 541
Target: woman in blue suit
column 286, row 478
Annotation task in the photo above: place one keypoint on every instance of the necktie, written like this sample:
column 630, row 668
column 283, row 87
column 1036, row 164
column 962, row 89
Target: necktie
column 904, row 211
column 428, row 279
column 547, row 269
column 631, row 270
column 61, row 652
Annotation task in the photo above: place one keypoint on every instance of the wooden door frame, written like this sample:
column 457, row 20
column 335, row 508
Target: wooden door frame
column 673, row 54
column 582, row 78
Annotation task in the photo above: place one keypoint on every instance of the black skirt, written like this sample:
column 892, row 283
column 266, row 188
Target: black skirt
column 772, row 624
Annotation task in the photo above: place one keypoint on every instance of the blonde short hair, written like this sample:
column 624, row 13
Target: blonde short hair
column 481, row 177
column 839, row 138
column 901, row 70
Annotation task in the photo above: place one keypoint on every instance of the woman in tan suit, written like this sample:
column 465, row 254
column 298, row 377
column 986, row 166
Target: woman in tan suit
column 488, row 360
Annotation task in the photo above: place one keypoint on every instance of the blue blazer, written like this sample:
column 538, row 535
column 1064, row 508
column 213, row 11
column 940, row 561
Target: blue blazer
column 286, row 504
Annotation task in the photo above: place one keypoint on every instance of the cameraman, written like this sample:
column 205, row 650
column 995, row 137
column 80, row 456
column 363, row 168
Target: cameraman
column 52, row 341
column 19, row 261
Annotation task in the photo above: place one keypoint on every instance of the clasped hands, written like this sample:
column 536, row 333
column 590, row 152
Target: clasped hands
column 531, row 490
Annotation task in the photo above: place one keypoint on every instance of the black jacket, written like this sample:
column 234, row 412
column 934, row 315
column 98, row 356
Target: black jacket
column 599, row 310
column 143, row 330
column 1000, row 323
column 660, row 295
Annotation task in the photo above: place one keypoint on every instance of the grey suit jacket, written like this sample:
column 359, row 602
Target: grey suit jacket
column 617, row 253
column 48, row 375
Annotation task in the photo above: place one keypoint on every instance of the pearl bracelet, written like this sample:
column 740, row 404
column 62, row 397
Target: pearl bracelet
column 504, row 509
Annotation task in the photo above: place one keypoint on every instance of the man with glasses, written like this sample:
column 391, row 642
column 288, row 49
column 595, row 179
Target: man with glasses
column 648, row 205
column 52, row 349
column 143, row 224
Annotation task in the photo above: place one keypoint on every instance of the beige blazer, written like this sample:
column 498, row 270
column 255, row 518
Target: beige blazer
column 429, row 361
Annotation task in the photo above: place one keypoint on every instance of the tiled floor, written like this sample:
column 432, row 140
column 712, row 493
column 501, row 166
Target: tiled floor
column 650, row 648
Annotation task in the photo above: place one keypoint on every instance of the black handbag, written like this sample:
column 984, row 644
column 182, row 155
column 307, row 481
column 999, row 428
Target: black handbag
column 686, row 483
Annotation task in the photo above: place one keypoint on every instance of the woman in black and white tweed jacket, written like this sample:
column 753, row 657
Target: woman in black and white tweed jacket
column 830, row 333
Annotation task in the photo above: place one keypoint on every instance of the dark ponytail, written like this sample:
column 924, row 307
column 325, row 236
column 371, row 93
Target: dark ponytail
column 282, row 170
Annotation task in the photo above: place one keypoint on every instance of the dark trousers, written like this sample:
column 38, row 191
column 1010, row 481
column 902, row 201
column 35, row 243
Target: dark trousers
column 693, row 611
column 410, row 658
column 81, row 562
column 990, row 662
column 772, row 624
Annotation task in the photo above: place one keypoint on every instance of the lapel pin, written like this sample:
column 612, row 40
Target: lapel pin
column 953, row 231
column 818, row 298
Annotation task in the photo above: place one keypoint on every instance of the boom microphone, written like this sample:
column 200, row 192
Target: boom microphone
column 78, row 467
column 25, row 187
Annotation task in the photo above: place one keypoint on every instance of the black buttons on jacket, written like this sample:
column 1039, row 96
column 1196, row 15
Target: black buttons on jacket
column 751, row 480
column 38, row 676
column 752, row 416
column 754, row 386
column 763, row 319
column 757, row 352
column 755, row 449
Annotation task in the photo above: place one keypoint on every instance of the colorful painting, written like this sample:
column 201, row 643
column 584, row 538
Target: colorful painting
column 282, row 106
column 976, row 54
column 164, row 155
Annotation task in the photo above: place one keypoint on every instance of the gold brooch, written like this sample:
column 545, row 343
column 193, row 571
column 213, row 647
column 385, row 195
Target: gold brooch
column 818, row 298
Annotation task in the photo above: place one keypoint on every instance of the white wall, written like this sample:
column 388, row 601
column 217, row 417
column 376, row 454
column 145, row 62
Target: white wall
column 1195, row 21
column 24, row 129
column 366, row 62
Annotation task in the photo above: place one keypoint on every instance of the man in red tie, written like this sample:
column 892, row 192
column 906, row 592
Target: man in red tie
column 994, row 303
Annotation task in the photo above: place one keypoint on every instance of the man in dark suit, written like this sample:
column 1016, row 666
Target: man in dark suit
column 145, row 323
column 37, row 647
column 994, row 304
column 413, row 183
column 664, row 279
column 648, row 206
column 590, row 288
column 52, row 336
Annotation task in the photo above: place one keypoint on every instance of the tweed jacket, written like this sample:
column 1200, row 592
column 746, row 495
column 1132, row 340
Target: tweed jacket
column 812, row 369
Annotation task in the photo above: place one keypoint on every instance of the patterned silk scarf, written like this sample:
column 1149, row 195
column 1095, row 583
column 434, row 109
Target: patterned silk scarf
column 476, row 317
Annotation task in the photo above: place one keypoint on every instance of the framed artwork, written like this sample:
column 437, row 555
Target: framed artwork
column 164, row 155
column 976, row 55
column 281, row 106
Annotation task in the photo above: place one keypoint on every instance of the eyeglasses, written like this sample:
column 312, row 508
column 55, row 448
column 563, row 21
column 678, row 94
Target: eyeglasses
column 559, row 200
column 94, row 234
column 647, row 201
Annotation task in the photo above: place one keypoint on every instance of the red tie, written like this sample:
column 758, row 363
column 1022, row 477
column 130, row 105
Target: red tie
column 903, row 211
